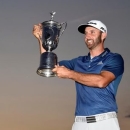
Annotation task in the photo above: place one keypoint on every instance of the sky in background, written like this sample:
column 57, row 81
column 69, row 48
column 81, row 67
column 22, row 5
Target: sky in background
column 31, row 102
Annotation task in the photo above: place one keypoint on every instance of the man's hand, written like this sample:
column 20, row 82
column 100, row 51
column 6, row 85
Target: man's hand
column 37, row 31
column 62, row 71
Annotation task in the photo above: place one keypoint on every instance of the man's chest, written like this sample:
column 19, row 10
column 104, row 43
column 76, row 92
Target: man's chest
column 90, row 66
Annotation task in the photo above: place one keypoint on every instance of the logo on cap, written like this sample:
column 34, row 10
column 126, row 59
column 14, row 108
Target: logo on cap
column 103, row 29
column 92, row 23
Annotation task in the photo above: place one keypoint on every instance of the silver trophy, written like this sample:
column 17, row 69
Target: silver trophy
column 51, row 32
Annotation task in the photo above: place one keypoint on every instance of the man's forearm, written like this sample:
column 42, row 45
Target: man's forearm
column 93, row 80
column 42, row 50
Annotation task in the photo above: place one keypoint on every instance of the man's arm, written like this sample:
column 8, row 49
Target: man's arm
column 37, row 32
column 93, row 80
column 112, row 69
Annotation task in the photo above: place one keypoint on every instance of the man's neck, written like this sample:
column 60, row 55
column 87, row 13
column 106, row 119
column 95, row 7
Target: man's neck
column 96, row 52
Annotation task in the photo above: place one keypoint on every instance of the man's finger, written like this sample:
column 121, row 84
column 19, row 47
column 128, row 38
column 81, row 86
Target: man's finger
column 54, row 70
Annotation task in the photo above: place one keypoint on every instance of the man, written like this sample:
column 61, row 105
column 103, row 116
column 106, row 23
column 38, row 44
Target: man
column 97, row 77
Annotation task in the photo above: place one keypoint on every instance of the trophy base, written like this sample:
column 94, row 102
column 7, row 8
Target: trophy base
column 46, row 73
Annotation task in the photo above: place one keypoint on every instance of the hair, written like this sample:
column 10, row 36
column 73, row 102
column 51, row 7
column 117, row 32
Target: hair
column 104, row 38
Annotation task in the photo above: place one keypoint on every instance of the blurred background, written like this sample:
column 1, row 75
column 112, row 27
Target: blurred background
column 31, row 102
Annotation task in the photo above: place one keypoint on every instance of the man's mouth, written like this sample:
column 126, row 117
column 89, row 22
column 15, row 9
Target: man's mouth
column 89, row 41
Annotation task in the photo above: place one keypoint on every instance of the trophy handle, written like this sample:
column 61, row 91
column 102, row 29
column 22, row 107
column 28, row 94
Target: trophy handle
column 63, row 29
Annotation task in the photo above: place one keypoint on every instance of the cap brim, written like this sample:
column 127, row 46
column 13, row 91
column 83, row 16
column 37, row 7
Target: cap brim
column 81, row 28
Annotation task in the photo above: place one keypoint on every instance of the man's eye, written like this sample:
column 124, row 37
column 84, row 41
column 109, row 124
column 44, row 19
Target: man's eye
column 92, row 32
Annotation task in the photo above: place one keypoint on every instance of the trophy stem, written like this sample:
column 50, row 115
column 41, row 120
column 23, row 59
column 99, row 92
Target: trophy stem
column 49, row 49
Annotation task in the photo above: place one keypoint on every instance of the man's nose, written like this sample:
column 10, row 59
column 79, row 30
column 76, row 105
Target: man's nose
column 87, row 36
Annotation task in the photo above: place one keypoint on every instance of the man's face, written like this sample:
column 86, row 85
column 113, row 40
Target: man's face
column 92, row 37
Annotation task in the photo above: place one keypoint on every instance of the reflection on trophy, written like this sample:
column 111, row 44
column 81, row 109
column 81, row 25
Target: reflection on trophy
column 51, row 32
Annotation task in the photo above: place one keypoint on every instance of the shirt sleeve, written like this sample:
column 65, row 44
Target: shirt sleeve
column 115, row 64
column 70, row 64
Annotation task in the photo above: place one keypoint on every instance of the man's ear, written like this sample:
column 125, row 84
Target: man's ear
column 104, row 35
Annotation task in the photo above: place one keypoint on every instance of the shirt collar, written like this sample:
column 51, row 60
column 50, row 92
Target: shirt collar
column 106, row 51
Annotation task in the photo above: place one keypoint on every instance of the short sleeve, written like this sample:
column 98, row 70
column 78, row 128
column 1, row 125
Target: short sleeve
column 70, row 64
column 114, row 64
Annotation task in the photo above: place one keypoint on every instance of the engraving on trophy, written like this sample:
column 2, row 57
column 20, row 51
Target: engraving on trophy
column 51, row 32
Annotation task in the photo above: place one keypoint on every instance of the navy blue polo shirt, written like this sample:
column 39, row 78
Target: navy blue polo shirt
column 93, row 100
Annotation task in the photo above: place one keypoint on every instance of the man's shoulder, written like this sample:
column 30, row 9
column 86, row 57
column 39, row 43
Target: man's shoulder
column 82, row 58
column 112, row 58
column 114, row 55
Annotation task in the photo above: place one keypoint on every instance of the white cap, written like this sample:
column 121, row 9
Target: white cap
column 94, row 23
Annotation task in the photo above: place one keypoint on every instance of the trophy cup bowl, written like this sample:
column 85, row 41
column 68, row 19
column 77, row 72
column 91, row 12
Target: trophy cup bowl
column 51, row 32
